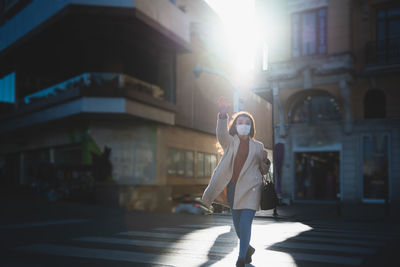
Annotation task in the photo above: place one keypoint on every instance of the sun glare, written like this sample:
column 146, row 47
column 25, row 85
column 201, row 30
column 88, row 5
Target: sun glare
column 238, row 17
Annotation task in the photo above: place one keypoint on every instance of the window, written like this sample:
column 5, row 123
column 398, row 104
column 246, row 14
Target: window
column 69, row 155
column 388, row 35
column 265, row 57
column 7, row 88
column 180, row 162
column 36, row 166
column 315, row 107
column 154, row 66
column 309, row 33
column 374, row 104
column 206, row 163
column 375, row 166
column 189, row 159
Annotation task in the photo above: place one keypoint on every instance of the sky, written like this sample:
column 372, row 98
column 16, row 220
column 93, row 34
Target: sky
column 239, row 21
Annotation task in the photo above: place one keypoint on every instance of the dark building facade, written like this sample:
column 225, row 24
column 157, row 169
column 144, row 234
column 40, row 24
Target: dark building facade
column 100, row 95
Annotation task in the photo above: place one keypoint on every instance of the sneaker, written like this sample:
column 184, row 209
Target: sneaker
column 249, row 253
column 240, row 263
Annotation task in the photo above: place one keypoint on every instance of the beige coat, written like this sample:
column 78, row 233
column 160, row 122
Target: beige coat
column 249, row 183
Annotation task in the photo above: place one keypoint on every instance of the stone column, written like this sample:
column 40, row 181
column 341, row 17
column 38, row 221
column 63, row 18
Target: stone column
column 307, row 79
column 277, row 103
column 345, row 94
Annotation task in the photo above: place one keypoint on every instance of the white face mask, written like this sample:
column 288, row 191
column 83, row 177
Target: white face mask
column 243, row 129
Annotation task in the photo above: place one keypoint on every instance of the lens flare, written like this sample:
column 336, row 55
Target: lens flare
column 238, row 17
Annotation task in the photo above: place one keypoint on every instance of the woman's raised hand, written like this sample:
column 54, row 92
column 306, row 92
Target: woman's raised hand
column 222, row 105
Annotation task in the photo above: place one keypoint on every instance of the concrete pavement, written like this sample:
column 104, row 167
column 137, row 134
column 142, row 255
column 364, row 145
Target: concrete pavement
column 45, row 233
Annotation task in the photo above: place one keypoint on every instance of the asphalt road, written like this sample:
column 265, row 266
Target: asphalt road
column 73, row 234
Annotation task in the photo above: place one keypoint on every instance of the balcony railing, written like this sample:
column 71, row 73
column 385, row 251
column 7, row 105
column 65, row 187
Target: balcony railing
column 95, row 81
column 383, row 52
column 107, row 85
column 90, row 93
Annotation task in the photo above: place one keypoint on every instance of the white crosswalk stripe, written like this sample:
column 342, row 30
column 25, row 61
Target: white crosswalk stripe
column 232, row 238
column 216, row 244
column 116, row 255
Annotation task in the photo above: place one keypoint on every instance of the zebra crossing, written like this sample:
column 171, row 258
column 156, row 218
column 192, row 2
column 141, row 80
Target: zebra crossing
column 216, row 244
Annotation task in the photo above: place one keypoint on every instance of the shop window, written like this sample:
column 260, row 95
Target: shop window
column 309, row 33
column 144, row 163
column 189, row 159
column 206, row 163
column 375, row 166
column 317, row 175
column 314, row 108
column 129, row 161
column 69, row 155
column 375, row 104
column 200, row 165
column 180, row 163
column 56, row 173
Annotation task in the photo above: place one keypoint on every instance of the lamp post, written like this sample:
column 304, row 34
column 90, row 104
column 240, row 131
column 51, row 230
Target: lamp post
column 238, row 103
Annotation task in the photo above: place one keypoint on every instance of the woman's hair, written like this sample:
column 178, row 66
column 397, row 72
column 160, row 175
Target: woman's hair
column 232, row 127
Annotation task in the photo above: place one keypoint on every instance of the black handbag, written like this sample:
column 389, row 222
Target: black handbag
column 269, row 199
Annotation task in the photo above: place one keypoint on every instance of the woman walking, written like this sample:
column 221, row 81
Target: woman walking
column 237, row 180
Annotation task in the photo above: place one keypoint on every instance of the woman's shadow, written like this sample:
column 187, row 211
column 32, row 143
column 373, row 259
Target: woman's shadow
column 215, row 254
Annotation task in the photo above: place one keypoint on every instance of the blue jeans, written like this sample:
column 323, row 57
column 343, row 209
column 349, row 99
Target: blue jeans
column 242, row 220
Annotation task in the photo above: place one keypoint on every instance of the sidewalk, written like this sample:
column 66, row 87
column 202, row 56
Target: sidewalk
column 347, row 212
column 373, row 213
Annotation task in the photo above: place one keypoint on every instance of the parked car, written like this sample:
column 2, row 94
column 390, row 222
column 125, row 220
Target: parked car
column 191, row 205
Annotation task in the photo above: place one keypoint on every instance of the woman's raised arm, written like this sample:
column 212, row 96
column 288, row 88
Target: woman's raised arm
column 223, row 136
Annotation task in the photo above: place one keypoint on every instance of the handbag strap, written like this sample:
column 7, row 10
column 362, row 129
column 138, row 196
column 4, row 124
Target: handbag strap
column 267, row 177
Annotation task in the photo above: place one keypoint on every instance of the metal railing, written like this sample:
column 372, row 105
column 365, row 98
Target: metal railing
column 97, row 80
column 383, row 52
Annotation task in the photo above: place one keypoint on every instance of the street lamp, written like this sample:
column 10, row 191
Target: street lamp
column 238, row 103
